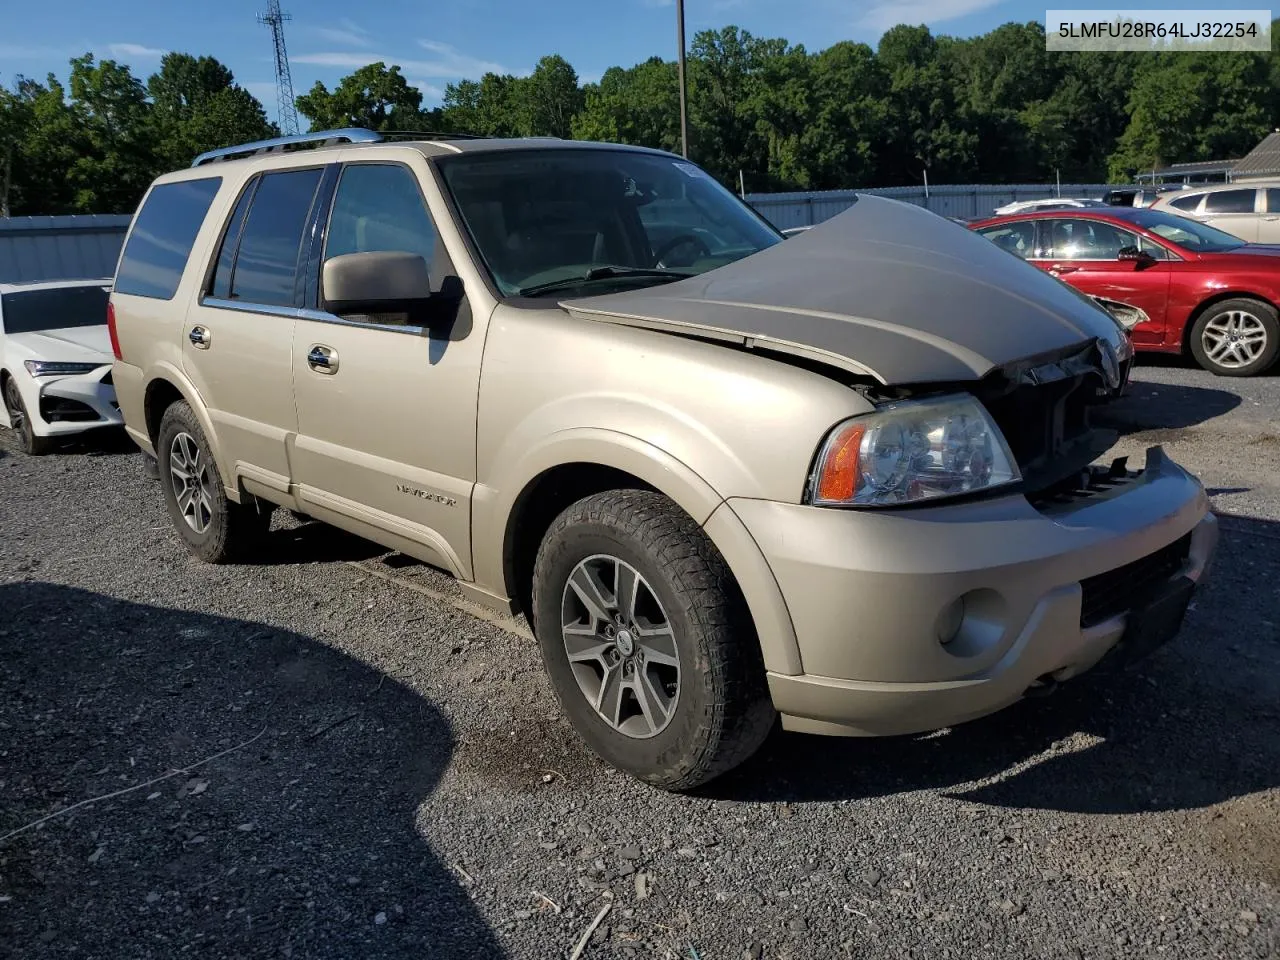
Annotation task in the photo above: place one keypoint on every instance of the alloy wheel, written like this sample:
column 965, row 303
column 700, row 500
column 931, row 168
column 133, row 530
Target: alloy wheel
column 621, row 646
column 189, row 473
column 1234, row 339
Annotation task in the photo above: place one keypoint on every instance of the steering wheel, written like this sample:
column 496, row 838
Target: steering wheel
column 675, row 243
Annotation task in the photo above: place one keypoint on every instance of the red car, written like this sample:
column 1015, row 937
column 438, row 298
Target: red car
column 1178, row 284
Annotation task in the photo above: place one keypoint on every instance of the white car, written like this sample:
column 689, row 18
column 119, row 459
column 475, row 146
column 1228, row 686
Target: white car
column 55, row 361
column 1051, row 203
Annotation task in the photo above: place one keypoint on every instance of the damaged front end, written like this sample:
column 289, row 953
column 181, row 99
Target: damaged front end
column 1043, row 406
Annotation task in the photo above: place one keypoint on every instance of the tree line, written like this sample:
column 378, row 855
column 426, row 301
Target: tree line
column 992, row 108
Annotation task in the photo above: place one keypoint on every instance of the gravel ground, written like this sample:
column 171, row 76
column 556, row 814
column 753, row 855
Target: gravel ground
column 326, row 755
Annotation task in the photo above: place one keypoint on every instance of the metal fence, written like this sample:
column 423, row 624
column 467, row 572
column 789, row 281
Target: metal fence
column 786, row 210
column 60, row 248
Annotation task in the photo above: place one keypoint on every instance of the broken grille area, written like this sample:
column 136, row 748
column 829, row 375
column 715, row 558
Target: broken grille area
column 1117, row 591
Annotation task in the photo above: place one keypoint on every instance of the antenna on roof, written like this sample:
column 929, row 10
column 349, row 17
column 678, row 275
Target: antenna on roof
column 286, row 112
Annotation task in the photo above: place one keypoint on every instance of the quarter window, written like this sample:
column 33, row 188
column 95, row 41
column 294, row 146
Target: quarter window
column 162, row 237
column 221, row 286
column 266, row 264
column 1017, row 238
column 378, row 208
column 1229, row 201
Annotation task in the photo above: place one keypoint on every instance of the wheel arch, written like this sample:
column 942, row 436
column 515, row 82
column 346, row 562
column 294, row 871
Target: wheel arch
column 1209, row 302
column 165, row 386
column 581, row 463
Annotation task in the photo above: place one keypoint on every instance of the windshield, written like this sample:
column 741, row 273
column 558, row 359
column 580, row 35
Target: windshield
column 556, row 220
column 1191, row 234
column 55, row 309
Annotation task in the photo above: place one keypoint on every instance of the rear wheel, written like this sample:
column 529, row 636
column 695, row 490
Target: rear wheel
column 648, row 641
column 20, row 422
column 1236, row 338
column 215, row 528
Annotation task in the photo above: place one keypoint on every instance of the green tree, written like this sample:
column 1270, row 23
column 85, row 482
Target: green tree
column 197, row 106
column 119, row 160
column 1194, row 106
column 550, row 98
column 639, row 105
column 376, row 97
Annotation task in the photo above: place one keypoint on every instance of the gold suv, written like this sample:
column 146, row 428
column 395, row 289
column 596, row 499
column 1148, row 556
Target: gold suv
column 848, row 477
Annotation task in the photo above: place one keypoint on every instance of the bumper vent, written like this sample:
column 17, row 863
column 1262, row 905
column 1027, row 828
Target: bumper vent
column 64, row 410
column 106, row 379
column 1117, row 591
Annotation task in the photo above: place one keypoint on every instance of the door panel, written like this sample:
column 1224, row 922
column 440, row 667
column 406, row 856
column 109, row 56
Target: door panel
column 1084, row 253
column 237, row 344
column 387, row 409
column 389, row 430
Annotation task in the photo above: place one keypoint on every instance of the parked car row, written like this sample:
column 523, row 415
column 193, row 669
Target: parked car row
column 847, row 478
column 1186, row 287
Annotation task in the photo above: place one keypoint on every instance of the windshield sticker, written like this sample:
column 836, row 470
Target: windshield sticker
column 695, row 173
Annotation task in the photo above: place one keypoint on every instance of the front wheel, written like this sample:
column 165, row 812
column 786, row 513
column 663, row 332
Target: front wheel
column 648, row 641
column 1236, row 338
column 20, row 422
column 215, row 528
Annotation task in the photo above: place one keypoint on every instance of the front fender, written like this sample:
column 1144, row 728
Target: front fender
column 495, row 501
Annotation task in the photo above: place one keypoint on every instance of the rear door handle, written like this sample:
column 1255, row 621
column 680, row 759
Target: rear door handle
column 323, row 359
column 200, row 337
column 1059, row 268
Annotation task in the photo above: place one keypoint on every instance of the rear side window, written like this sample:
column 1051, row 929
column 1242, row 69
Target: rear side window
column 163, row 234
column 378, row 209
column 221, row 286
column 1273, row 200
column 1229, row 201
column 266, row 264
column 1187, row 204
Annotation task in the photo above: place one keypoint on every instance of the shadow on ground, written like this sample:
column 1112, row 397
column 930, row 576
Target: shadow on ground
column 1164, row 406
column 300, row 842
column 1195, row 724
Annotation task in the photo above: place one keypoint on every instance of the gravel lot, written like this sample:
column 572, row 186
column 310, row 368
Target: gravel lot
column 391, row 776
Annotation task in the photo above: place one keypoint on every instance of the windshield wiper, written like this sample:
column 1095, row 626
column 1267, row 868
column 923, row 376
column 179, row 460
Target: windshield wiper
column 601, row 273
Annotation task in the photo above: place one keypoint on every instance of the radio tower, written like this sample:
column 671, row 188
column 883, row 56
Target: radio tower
column 286, row 112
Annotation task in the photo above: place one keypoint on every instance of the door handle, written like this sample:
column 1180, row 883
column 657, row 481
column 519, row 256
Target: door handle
column 1059, row 268
column 323, row 359
column 200, row 337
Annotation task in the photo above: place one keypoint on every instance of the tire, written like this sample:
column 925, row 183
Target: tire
column 31, row 444
column 1256, row 328
column 214, row 528
column 709, row 711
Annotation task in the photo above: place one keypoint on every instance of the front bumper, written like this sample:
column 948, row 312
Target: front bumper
column 69, row 405
column 873, row 595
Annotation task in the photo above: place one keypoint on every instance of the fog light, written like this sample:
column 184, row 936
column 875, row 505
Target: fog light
column 949, row 621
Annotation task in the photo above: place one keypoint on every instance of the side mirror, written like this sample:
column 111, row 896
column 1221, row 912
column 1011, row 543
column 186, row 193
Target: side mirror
column 378, row 282
column 1133, row 253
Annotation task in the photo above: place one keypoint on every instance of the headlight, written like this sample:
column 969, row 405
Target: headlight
column 50, row 368
column 912, row 451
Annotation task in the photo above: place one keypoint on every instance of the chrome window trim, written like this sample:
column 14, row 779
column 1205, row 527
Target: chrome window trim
column 304, row 313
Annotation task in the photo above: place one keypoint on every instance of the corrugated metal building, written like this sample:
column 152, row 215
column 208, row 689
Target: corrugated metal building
column 786, row 210
column 60, row 248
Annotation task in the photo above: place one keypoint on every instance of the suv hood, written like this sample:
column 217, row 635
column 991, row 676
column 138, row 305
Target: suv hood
column 70, row 345
column 885, row 289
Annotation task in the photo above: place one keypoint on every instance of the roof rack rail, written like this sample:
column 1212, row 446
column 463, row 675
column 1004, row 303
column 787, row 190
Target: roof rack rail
column 320, row 138
column 428, row 135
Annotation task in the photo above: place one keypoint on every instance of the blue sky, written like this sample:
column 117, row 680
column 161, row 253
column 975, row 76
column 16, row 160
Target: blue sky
column 437, row 43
